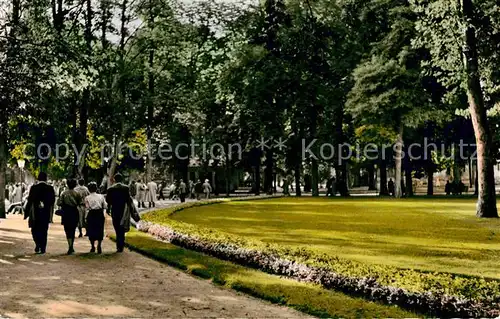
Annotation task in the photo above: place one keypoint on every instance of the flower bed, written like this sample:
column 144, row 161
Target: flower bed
column 369, row 288
column 412, row 289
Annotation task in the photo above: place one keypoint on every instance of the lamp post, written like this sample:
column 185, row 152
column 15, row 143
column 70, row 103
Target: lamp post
column 106, row 179
column 146, row 159
column 20, row 164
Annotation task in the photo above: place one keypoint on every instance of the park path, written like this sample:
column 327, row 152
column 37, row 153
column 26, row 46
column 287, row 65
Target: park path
column 107, row 285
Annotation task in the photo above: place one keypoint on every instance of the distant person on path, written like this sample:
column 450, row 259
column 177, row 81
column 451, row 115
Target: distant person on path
column 290, row 180
column 160, row 190
column 152, row 189
column 17, row 196
column 70, row 201
column 331, row 187
column 96, row 206
column 56, row 187
column 390, row 187
column 286, row 188
column 207, row 189
column 141, row 194
column 39, row 211
column 461, row 188
column 104, row 183
column 133, row 189
column 119, row 204
column 11, row 193
column 198, row 189
column 191, row 189
column 182, row 191
column 447, row 188
column 84, row 192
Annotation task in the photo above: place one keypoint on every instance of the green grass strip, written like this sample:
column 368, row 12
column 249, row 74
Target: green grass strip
column 308, row 298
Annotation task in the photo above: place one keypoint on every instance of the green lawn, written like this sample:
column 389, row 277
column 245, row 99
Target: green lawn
column 308, row 298
column 427, row 234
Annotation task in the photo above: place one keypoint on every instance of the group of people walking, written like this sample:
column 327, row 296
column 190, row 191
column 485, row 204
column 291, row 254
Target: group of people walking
column 15, row 192
column 80, row 207
column 83, row 207
column 180, row 190
column 144, row 193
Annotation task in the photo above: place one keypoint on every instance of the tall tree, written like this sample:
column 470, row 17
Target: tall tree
column 466, row 66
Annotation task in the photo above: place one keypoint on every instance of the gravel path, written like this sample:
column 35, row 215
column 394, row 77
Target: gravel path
column 108, row 285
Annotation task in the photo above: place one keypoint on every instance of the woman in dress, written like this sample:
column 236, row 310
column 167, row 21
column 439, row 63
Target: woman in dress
column 141, row 193
column 96, row 206
column 69, row 202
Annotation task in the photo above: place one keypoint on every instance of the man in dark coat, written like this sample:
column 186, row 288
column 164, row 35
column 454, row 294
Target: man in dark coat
column 39, row 210
column 118, row 197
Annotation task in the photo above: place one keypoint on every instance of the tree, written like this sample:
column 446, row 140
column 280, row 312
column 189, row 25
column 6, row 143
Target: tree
column 457, row 65
column 389, row 85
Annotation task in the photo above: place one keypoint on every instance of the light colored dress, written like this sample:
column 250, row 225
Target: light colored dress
column 18, row 195
column 207, row 189
column 141, row 192
column 152, row 189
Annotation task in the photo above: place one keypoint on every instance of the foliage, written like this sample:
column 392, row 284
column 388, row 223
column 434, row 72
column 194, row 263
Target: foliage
column 98, row 72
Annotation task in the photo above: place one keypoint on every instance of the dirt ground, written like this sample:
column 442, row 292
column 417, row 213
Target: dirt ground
column 108, row 285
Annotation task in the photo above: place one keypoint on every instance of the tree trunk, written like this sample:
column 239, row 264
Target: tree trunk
column 298, row 191
column 408, row 177
column 114, row 160
column 457, row 172
column 486, row 204
column 409, row 182
column 430, row 179
column 255, row 156
column 3, row 170
column 314, row 177
column 341, row 168
column 151, row 89
column 75, row 137
column 398, row 154
column 85, row 105
column 469, row 162
column 383, row 178
column 268, row 172
column 121, row 53
column 104, row 23
column 371, row 177
column 82, row 140
column 257, row 178
column 228, row 175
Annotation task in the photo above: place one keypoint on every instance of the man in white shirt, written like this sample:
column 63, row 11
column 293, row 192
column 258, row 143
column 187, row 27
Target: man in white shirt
column 207, row 189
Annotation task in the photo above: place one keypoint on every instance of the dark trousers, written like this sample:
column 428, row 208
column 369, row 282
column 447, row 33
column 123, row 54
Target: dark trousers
column 182, row 196
column 120, row 234
column 39, row 233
